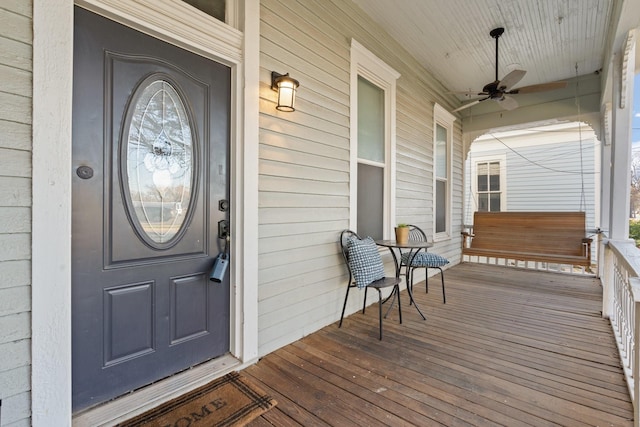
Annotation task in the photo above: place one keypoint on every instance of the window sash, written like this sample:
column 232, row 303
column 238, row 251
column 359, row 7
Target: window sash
column 488, row 186
column 442, row 153
column 371, row 112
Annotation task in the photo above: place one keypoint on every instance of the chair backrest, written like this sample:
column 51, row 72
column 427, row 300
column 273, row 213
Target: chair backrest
column 362, row 258
column 344, row 236
column 416, row 234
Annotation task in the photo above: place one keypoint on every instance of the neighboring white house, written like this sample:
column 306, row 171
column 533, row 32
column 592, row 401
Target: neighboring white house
column 545, row 168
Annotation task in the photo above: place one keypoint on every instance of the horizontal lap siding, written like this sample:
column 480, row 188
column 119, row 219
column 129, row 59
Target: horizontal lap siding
column 559, row 185
column 15, row 210
column 304, row 161
column 304, row 173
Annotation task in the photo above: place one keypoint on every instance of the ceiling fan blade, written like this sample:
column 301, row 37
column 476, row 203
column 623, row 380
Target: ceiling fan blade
column 542, row 87
column 508, row 103
column 468, row 93
column 462, row 107
column 470, row 104
column 511, row 79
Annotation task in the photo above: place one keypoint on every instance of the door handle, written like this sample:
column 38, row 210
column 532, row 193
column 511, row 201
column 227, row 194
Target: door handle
column 223, row 229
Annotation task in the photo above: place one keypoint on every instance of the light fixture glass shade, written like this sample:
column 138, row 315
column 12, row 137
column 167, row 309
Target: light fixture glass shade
column 286, row 87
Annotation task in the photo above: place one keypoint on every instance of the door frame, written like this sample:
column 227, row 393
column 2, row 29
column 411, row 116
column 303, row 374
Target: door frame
column 51, row 176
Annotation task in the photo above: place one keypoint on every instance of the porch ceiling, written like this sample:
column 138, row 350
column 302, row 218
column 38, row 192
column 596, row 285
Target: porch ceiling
column 547, row 38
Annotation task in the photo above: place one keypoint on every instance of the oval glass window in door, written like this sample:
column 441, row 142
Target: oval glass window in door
column 159, row 158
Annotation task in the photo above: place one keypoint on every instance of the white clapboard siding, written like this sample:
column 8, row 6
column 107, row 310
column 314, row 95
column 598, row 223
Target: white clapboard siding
column 16, row 54
column 12, row 354
column 15, row 273
column 16, row 410
column 15, row 163
column 15, row 191
column 15, row 25
column 15, row 136
column 15, row 210
column 304, row 161
column 15, row 219
column 15, row 327
column 15, row 300
column 15, row 381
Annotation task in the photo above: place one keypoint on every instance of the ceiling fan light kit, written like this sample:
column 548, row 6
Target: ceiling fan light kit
column 500, row 90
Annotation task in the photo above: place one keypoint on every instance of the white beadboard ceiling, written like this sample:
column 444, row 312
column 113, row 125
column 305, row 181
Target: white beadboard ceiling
column 546, row 38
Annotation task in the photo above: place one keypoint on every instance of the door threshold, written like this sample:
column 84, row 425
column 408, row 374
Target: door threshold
column 137, row 402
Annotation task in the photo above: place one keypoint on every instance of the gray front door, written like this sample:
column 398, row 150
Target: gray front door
column 150, row 159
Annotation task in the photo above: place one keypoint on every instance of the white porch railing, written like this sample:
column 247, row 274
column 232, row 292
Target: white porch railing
column 620, row 271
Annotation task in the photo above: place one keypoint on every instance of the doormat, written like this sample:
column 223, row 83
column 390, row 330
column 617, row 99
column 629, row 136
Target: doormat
column 228, row 401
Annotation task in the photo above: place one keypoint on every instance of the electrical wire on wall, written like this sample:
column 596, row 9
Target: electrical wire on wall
column 537, row 163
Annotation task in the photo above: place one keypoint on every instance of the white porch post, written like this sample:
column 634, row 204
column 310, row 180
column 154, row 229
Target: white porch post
column 605, row 197
column 621, row 140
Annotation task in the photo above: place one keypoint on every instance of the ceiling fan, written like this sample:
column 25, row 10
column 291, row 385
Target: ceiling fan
column 499, row 90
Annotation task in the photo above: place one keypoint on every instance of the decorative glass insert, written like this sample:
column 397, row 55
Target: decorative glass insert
column 159, row 160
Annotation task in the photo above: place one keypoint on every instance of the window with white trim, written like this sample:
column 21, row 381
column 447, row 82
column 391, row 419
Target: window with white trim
column 488, row 185
column 372, row 171
column 442, row 143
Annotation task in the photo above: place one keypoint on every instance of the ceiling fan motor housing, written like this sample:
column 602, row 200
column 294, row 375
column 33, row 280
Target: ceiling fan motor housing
column 496, row 32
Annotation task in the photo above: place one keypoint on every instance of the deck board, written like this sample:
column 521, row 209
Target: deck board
column 510, row 347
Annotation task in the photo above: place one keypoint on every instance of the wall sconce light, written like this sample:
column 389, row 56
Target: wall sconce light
column 286, row 88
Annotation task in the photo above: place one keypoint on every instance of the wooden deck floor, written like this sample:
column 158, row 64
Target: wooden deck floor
column 510, row 347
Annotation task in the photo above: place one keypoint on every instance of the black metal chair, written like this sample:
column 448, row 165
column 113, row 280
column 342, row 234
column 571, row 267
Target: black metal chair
column 424, row 260
column 366, row 270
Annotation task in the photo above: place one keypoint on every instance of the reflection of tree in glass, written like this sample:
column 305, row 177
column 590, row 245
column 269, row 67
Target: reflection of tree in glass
column 176, row 194
column 161, row 217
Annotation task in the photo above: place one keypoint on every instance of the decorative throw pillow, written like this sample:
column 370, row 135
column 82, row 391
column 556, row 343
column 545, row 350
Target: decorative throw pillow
column 425, row 259
column 364, row 261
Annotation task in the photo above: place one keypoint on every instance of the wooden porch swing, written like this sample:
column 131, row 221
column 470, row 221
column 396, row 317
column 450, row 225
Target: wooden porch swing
column 555, row 237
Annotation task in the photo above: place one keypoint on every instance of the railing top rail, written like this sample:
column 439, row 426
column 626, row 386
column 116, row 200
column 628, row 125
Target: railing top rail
column 628, row 254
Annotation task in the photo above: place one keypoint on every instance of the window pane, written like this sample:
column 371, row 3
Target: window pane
column 370, row 121
column 483, row 202
column 215, row 8
column 495, row 202
column 494, row 182
column 441, row 206
column 370, row 200
column 482, row 183
column 441, row 152
column 494, row 179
